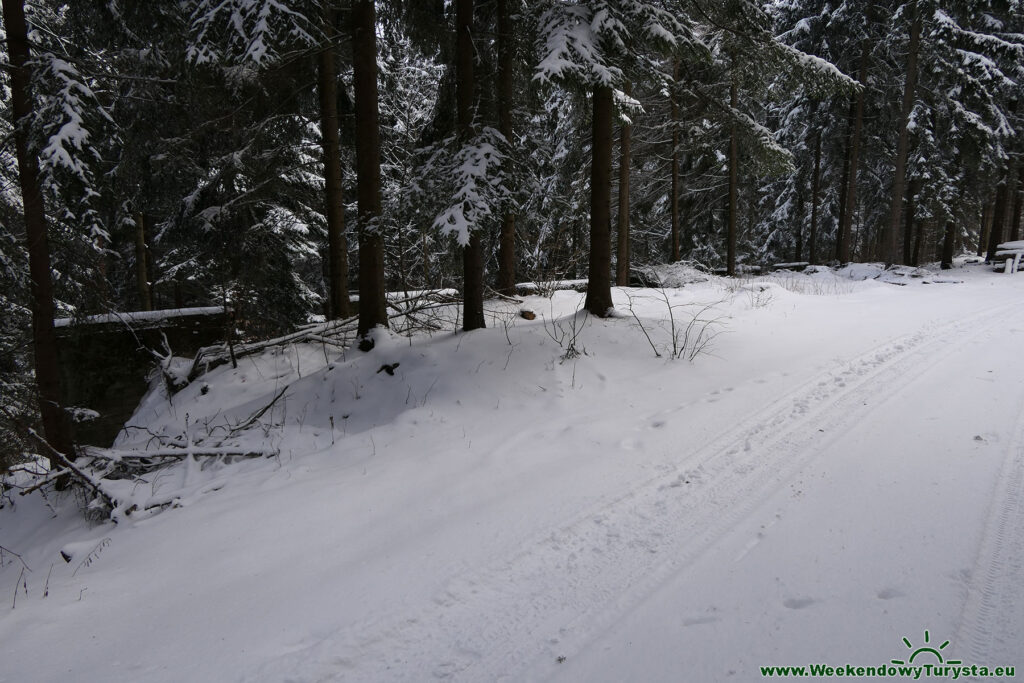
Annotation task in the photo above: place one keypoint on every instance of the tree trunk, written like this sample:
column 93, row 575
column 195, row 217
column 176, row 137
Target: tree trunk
column 999, row 216
column 506, row 283
column 799, row 251
column 903, row 145
column 56, row 426
column 948, row 239
column 844, row 238
column 919, row 236
column 844, row 184
column 675, row 161
column 622, row 253
column 338, row 305
column 908, row 228
column 1018, row 196
column 734, row 156
column 372, row 297
column 141, row 269
column 599, row 286
column 473, row 252
column 986, row 224
column 812, row 242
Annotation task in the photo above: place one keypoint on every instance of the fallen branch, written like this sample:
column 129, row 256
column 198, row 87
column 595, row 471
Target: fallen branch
column 210, row 357
column 504, row 297
column 258, row 414
column 119, row 455
column 11, row 552
column 52, row 476
column 79, row 474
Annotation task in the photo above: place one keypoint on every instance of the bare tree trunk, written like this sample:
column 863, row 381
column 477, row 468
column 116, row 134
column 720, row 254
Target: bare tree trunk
column 426, row 259
column 844, row 185
column 799, row 251
column 338, row 305
column 903, row 145
column 622, row 253
column 56, row 426
column 675, row 161
column 1017, row 198
column 141, row 269
column 372, row 297
column 845, row 238
column 908, row 228
column 919, row 236
column 986, row 224
column 472, row 253
column 812, row 242
column 506, row 283
column 999, row 216
column 948, row 240
column 599, row 286
column 734, row 157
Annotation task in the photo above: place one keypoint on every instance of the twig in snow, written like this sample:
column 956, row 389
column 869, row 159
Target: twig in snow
column 258, row 414
column 18, row 584
column 643, row 329
column 49, row 478
column 11, row 552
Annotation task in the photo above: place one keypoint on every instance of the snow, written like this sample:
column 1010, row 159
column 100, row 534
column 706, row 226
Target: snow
column 841, row 469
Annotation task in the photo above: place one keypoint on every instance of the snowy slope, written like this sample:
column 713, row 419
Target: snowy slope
column 841, row 469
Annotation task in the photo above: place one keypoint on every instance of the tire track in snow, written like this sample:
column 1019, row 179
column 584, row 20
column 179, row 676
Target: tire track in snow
column 573, row 581
column 995, row 602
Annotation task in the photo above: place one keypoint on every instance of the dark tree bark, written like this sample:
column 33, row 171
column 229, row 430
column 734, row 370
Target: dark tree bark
column 141, row 268
column 675, row 161
column 56, row 426
column 844, row 183
column 903, row 145
column 599, row 285
column 908, row 228
column 734, row 158
column 472, row 253
column 622, row 252
column 506, row 283
column 948, row 240
column 372, row 297
column 1018, row 196
column 999, row 216
column 812, row 242
column 799, row 251
column 986, row 225
column 919, row 236
column 849, row 202
column 338, row 305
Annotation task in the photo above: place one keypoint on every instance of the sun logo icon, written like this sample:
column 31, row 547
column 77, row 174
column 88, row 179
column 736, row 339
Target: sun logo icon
column 925, row 649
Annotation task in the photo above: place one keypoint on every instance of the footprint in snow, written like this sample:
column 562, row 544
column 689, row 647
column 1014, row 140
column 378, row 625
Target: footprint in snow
column 798, row 603
column 890, row 593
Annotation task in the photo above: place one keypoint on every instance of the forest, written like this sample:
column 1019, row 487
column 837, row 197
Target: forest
column 296, row 160
column 511, row 340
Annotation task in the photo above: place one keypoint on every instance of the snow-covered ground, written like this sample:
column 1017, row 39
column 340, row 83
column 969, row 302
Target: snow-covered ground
column 840, row 469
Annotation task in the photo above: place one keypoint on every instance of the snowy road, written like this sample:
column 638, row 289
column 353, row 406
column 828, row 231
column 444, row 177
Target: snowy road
column 824, row 528
column 845, row 474
column 861, row 528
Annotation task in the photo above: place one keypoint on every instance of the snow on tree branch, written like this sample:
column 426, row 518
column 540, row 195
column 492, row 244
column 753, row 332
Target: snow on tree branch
column 67, row 121
column 570, row 44
column 476, row 169
column 248, row 31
